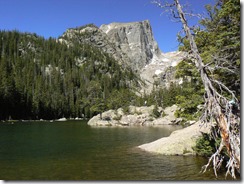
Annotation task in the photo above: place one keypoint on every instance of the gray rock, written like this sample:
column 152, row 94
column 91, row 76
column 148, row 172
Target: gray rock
column 132, row 45
column 162, row 70
column 93, row 35
column 180, row 142
column 169, row 117
column 136, row 39
column 191, row 122
column 136, row 116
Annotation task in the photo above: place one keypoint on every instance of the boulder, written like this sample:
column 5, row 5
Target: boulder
column 136, row 116
column 62, row 119
column 169, row 117
column 107, row 119
column 180, row 142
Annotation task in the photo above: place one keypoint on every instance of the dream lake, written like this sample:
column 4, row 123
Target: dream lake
column 72, row 150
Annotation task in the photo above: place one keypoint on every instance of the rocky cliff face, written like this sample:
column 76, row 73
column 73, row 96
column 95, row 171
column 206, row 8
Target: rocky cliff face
column 92, row 35
column 136, row 40
column 162, row 71
column 133, row 45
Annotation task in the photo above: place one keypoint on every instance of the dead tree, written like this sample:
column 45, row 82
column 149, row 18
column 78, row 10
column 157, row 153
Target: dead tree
column 217, row 108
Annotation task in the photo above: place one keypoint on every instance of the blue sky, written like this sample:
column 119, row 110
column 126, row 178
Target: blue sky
column 52, row 17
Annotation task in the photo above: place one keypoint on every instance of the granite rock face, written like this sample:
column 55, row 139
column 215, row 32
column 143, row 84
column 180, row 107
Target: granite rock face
column 92, row 35
column 162, row 71
column 135, row 39
column 180, row 142
column 131, row 45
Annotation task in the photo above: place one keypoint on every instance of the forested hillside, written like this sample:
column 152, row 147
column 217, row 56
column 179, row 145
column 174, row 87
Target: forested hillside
column 47, row 79
column 82, row 73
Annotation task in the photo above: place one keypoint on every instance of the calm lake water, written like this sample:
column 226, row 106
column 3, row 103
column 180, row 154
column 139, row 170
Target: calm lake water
column 74, row 151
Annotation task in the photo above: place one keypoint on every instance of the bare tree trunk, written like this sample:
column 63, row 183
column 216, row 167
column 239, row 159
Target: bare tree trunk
column 217, row 107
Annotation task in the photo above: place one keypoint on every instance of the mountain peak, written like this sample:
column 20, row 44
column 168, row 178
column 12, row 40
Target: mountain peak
column 123, row 24
column 130, row 44
column 135, row 39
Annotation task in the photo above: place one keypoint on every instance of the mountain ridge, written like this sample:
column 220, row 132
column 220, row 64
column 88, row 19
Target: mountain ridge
column 83, row 72
column 134, row 38
column 132, row 44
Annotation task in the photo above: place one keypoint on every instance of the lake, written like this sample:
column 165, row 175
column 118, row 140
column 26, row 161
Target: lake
column 72, row 150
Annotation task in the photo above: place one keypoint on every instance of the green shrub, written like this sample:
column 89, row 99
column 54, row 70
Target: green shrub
column 163, row 114
column 188, row 105
column 126, row 109
column 206, row 145
column 155, row 112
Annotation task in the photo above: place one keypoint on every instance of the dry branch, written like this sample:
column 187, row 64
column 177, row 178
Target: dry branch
column 218, row 110
column 217, row 107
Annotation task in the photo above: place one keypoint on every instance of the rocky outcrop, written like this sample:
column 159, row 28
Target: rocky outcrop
column 136, row 116
column 136, row 39
column 180, row 142
column 162, row 71
column 92, row 35
column 131, row 45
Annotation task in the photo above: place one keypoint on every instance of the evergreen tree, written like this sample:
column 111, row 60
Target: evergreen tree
column 42, row 78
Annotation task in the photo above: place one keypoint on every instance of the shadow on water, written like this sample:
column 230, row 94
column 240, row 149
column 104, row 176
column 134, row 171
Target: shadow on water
column 74, row 151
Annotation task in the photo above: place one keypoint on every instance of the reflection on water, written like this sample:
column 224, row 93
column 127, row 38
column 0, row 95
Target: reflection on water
column 74, row 151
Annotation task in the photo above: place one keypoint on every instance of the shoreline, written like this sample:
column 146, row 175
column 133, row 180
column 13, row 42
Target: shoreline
column 179, row 142
column 42, row 120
